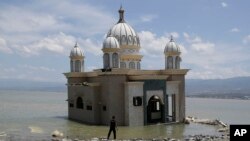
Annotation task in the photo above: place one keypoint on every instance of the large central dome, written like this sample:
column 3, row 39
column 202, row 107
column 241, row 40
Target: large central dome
column 123, row 32
column 121, row 46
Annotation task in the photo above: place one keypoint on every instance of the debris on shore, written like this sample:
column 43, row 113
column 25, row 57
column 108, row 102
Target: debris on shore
column 215, row 122
column 57, row 136
column 224, row 129
column 205, row 121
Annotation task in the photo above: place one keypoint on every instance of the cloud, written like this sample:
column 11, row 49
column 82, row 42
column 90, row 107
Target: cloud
column 189, row 39
column 3, row 46
column 39, row 30
column 90, row 46
column 152, row 45
column 223, row 4
column 63, row 16
column 37, row 68
column 235, row 30
column 198, row 45
column 28, row 21
column 203, row 47
column 209, row 60
column 152, row 48
column 246, row 39
column 148, row 18
column 59, row 43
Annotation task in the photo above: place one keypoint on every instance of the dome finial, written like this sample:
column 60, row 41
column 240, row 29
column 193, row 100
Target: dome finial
column 121, row 13
column 121, row 7
column 76, row 45
column 171, row 38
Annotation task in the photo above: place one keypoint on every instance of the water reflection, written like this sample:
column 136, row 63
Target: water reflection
column 83, row 131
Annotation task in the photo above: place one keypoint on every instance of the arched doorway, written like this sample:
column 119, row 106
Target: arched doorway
column 79, row 103
column 154, row 110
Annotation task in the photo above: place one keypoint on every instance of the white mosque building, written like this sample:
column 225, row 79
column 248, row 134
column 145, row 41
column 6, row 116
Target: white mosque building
column 121, row 88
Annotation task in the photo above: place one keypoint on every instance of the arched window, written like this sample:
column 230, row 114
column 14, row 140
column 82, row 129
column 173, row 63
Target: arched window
column 138, row 65
column 71, row 66
column 106, row 60
column 78, row 66
column 115, row 60
column 130, row 41
column 170, row 62
column 131, row 65
column 82, row 65
column 138, row 41
column 118, row 39
column 135, row 40
column 123, row 65
column 79, row 103
column 177, row 62
column 124, row 40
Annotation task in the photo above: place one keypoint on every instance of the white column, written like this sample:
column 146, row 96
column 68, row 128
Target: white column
column 166, row 62
column 110, row 60
column 174, row 67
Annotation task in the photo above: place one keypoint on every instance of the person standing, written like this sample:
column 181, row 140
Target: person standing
column 112, row 127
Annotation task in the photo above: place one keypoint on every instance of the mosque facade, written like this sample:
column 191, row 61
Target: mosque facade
column 121, row 88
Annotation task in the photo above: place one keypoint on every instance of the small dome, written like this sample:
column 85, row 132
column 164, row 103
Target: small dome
column 76, row 52
column 110, row 42
column 123, row 32
column 172, row 47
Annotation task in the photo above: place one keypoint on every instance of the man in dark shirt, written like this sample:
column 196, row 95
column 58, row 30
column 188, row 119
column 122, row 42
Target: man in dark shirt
column 112, row 127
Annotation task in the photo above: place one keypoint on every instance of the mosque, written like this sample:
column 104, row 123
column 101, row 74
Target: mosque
column 121, row 88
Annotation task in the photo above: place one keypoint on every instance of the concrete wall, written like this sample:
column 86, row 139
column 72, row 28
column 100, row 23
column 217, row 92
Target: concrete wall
column 133, row 114
column 112, row 96
column 90, row 96
column 173, row 89
column 181, row 99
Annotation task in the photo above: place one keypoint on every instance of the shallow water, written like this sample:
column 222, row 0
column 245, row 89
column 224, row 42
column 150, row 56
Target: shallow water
column 35, row 115
column 231, row 111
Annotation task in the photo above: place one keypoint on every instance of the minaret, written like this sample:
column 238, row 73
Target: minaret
column 76, row 59
column 172, row 55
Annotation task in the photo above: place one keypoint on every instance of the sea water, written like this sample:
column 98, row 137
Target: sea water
column 31, row 115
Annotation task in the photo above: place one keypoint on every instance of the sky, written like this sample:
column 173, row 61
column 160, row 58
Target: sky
column 36, row 36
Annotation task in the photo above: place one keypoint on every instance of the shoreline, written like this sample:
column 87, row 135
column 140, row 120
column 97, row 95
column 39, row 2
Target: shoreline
column 208, row 97
column 223, row 136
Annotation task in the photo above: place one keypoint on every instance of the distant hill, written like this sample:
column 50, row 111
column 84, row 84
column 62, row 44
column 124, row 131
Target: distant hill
column 17, row 84
column 232, row 87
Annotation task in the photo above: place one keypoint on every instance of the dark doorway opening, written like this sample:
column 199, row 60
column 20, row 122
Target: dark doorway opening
column 154, row 110
column 79, row 103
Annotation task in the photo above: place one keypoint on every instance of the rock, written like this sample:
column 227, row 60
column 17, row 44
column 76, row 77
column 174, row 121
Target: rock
column 187, row 121
column 56, row 133
column 94, row 139
column 223, row 130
